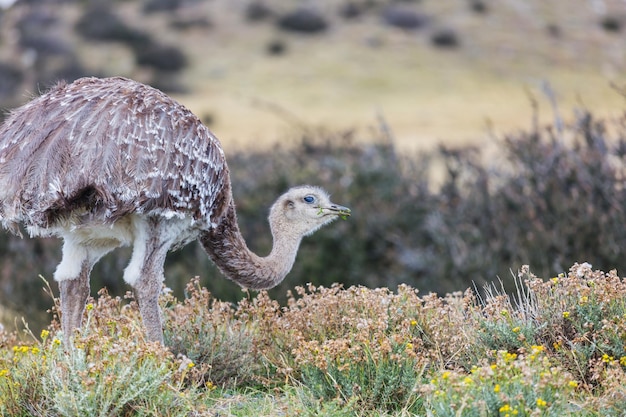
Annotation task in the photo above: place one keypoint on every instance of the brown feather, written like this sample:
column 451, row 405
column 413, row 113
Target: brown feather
column 149, row 152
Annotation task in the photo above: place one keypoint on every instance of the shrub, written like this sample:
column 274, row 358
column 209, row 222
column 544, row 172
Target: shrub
column 524, row 385
column 350, row 10
column 100, row 23
column 257, row 11
column 186, row 23
column 207, row 332
column 276, row 47
column 445, row 38
column 109, row 370
column 611, row 24
column 478, row 7
column 10, row 79
column 160, row 57
column 404, row 18
column 303, row 20
column 151, row 6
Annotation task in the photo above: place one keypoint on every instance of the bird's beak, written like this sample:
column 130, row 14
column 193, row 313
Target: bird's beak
column 338, row 210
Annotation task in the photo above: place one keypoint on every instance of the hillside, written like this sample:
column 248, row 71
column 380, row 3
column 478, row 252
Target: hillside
column 256, row 83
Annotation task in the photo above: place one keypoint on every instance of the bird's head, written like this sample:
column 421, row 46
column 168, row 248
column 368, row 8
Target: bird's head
column 303, row 210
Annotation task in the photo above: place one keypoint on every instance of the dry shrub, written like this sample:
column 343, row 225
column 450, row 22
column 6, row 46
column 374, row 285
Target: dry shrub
column 110, row 369
column 207, row 332
column 555, row 348
column 370, row 347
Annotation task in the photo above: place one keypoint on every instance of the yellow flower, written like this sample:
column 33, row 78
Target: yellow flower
column 505, row 408
column 583, row 300
column 541, row 403
column 445, row 375
column 89, row 307
column 409, row 346
column 496, row 388
column 20, row 349
column 538, row 348
column 35, row 350
column 210, row 386
column 573, row 384
column 566, row 314
column 504, row 312
column 3, row 372
column 56, row 341
column 606, row 358
column 516, row 329
column 191, row 365
column 622, row 361
column 413, row 323
column 467, row 380
column 44, row 334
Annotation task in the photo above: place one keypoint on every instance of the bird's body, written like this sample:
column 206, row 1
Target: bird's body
column 127, row 146
column 104, row 163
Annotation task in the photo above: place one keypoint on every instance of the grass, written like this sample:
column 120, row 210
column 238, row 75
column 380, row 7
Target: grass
column 555, row 348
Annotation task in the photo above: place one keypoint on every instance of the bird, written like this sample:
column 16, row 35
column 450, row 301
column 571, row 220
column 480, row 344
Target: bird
column 109, row 162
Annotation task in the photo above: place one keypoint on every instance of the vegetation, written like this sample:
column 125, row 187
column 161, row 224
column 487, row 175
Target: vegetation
column 551, row 197
column 555, row 348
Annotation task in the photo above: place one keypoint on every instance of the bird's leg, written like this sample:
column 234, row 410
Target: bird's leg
column 73, row 277
column 147, row 291
column 145, row 274
column 74, row 293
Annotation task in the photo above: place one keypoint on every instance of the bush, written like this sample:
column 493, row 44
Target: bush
column 303, row 20
column 257, row 11
column 404, row 18
column 445, row 38
column 152, row 6
column 100, row 23
column 351, row 10
column 160, row 57
column 10, row 79
column 109, row 370
column 207, row 332
column 611, row 24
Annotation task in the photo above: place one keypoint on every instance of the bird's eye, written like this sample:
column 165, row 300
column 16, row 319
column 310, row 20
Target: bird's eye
column 309, row 199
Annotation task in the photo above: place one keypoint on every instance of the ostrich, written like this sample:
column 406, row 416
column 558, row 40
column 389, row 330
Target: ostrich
column 104, row 163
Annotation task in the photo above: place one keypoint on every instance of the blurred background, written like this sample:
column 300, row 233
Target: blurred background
column 468, row 136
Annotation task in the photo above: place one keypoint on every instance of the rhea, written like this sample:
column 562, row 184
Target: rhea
column 104, row 163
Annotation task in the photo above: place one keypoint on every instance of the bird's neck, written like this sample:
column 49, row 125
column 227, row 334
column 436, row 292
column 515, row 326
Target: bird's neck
column 228, row 250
